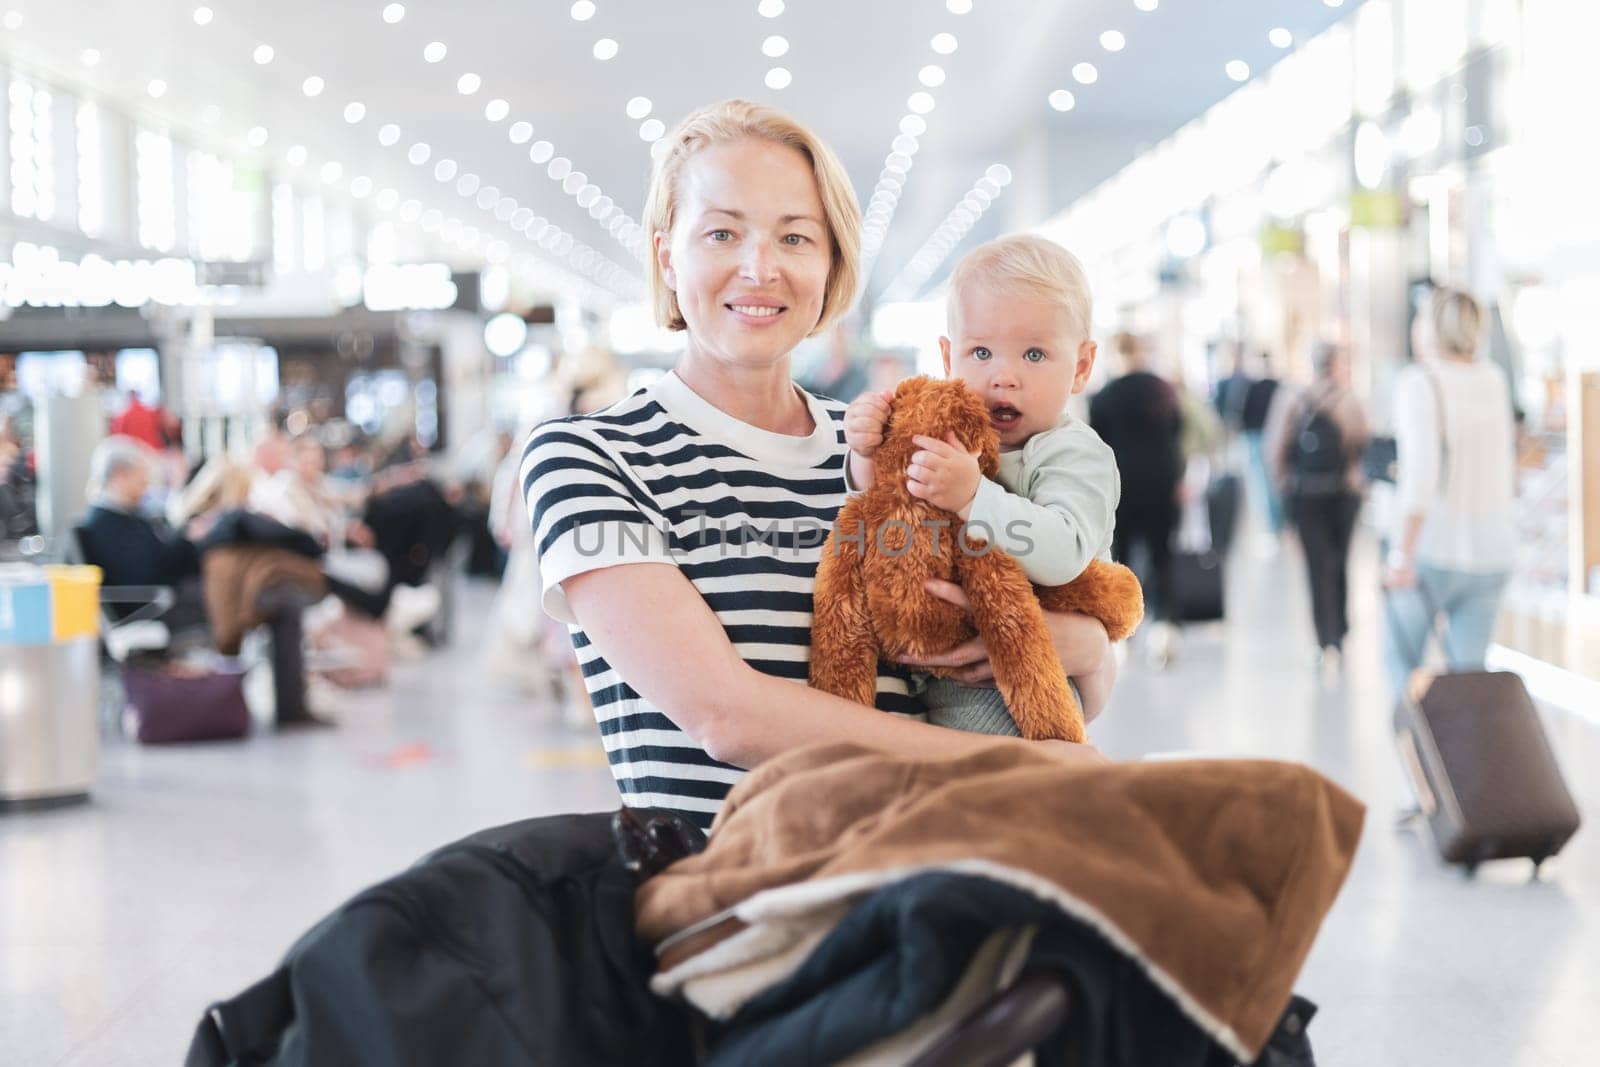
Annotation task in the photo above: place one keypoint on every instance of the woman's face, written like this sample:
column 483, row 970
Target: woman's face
column 749, row 253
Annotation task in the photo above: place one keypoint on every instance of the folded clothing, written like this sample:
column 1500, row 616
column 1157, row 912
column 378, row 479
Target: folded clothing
column 1211, row 876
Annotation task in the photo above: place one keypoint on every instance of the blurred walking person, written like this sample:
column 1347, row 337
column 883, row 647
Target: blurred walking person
column 1139, row 416
column 1451, row 549
column 1255, row 407
column 1314, row 445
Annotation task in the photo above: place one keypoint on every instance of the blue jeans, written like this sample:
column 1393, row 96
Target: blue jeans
column 1266, row 495
column 1469, row 603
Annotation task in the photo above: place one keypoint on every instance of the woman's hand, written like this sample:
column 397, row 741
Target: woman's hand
column 970, row 658
column 864, row 422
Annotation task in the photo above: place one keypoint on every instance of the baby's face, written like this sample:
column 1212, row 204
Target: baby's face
column 1022, row 356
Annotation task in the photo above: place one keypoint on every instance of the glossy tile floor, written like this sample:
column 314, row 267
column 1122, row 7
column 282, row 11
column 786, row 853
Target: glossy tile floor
column 194, row 868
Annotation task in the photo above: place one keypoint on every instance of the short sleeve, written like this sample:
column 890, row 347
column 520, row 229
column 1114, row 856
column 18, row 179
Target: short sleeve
column 587, row 511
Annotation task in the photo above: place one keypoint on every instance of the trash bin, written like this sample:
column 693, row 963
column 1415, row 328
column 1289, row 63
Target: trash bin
column 49, row 684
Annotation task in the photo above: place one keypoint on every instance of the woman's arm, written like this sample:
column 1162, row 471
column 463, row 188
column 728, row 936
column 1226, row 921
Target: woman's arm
column 653, row 628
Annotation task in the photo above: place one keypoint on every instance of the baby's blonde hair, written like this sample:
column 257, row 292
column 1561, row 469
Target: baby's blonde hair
column 1027, row 266
column 740, row 120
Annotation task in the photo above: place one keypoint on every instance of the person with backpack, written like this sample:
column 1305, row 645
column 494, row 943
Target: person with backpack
column 1315, row 452
column 1453, row 541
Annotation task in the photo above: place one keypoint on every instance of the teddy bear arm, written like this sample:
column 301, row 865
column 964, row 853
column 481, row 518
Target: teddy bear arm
column 1026, row 668
column 1106, row 591
column 844, row 649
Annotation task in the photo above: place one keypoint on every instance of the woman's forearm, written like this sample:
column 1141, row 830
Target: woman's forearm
column 765, row 716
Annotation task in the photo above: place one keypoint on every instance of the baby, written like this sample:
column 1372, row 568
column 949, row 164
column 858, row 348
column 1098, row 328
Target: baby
column 1019, row 338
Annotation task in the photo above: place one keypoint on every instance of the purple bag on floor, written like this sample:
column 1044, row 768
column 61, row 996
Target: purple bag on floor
column 166, row 704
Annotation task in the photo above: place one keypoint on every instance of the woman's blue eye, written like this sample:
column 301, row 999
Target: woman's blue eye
column 1034, row 355
column 722, row 235
column 795, row 239
column 980, row 353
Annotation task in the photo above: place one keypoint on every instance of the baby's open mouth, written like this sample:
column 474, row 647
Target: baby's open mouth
column 1004, row 416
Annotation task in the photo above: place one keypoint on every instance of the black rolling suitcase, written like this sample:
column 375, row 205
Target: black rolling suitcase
column 1196, row 584
column 1484, row 772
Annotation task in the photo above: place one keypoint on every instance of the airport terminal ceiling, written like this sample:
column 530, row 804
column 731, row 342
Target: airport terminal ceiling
column 318, row 88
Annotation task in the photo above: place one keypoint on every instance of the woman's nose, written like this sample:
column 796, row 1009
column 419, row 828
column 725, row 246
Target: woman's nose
column 759, row 263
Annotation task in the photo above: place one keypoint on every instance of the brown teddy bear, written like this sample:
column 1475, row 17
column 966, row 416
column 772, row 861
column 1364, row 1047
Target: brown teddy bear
column 871, row 598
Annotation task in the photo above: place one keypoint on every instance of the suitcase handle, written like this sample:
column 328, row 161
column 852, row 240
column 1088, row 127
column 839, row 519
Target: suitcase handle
column 1413, row 761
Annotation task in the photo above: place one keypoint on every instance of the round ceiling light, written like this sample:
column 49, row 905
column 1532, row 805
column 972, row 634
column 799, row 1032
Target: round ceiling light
column 651, row 129
column 496, row 109
column 944, row 43
column 639, row 107
column 915, row 125
column 434, row 51
column 354, row 112
column 770, row 8
column 1238, row 70
column 388, row 134
column 541, row 152
column 1086, row 73
column 468, row 84
column 774, row 46
column 394, row 13
column 920, row 103
column 312, row 86
column 1063, row 100
column 583, row 11
column 932, row 75
column 1113, row 41
column 605, row 48
column 202, row 15
column 520, row 132
column 1280, row 37
column 263, row 54
column 779, row 78
column 419, row 153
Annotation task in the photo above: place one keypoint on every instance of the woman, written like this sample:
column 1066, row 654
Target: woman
column 1314, row 445
column 1139, row 416
column 680, row 529
column 1452, row 546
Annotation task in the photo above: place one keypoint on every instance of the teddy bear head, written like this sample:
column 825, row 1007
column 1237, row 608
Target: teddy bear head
column 933, row 407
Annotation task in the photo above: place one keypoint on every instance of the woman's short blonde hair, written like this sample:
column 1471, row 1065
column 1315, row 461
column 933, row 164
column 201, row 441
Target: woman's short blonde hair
column 1024, row 265
column 740, row 120
column 1457, row 321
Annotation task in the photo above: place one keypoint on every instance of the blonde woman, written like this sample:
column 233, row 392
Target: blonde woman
column 1451, row 549
column 679, row 530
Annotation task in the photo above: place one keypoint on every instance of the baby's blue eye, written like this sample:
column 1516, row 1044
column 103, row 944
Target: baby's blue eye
column 1034, row 355
column 980, row 353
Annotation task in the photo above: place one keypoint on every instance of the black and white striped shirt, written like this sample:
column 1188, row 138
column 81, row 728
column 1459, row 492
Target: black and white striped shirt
column 665, row 477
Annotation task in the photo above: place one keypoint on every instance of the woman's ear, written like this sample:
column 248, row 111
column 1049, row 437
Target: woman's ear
column 663, row 249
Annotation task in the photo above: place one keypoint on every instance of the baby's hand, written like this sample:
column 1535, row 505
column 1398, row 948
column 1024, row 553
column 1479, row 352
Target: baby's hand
column 864, row 421
column 944, row 474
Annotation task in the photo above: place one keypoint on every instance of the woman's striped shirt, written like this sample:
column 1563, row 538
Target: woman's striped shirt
column 665, row 477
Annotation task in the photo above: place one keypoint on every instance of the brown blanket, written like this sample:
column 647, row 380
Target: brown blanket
column 234, row 577
column 1213, row 874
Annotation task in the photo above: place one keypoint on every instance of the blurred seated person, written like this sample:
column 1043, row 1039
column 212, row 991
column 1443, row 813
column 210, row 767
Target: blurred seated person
column 370, row 572
column 128, row 546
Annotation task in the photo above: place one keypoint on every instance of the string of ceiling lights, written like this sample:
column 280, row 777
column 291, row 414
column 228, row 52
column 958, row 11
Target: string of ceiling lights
column 950, row 233
column 903, row 149
column 573, row 182
column 960, row 220
column 594, row 272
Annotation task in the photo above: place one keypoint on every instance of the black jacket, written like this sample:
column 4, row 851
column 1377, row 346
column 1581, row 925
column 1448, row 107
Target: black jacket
column 512, row 947
column 1139, row 417
column 133, row 550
